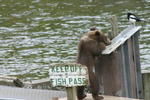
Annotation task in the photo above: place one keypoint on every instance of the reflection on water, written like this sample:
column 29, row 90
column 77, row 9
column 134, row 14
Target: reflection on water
column 36, row 33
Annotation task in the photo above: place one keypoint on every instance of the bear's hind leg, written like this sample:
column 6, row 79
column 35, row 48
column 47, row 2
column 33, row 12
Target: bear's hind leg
column 94, row 85
column 80, row 92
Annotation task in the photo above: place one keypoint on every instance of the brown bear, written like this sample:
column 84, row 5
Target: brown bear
column 89, row 48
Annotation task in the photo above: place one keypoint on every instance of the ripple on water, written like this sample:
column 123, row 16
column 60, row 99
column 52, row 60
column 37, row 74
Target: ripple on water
column 35, row 34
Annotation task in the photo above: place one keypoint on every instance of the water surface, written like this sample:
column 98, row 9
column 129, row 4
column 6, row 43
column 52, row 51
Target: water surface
column 37, row 33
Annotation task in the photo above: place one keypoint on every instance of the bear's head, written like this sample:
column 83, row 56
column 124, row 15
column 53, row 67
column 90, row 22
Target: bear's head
column 99, row 36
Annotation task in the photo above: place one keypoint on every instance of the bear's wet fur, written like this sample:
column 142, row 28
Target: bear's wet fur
column 89, row 48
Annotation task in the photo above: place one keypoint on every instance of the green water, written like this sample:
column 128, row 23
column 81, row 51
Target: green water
column 37, row 33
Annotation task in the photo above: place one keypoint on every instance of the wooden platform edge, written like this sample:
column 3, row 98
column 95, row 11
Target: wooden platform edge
column 35, row 84
column 89, row 97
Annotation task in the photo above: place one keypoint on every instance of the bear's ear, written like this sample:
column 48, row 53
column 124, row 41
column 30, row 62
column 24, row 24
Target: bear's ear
column 97, row 33
column 93, row 29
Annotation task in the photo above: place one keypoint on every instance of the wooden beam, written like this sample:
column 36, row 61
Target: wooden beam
column 135, row 40
column 6, row 80
column 10, row 99
column 114, row 23
column 121, row 38
column 29, row 94
column 146, row 84
column 89, row 97
column 71, row 93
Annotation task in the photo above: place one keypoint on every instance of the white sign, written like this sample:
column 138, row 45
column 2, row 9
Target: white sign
column 68, row 75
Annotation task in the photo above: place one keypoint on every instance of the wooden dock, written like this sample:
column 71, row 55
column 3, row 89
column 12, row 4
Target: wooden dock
column 14, row 93
column 89, row 97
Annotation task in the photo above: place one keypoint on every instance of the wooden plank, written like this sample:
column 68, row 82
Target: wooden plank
column 138, row 65
column 6, row 80
column 71, row 93
column 122, row 66
column 89, row 97
column 145, row 71
column 109, row 74
column 127, row 66
column 135, row 41
column 129, row 69
column 10, row 99
column 29, row 94
column 35, row 84
column 114, row 23
column 38, row 84
column 146, row 84
column 132, row 68
column 121, row 38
